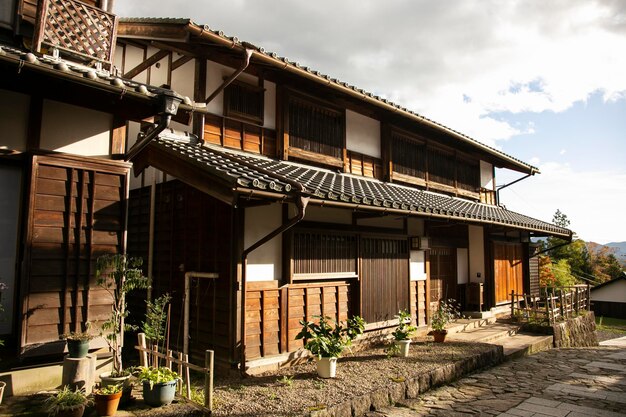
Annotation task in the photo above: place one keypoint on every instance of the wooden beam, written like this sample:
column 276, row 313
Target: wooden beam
column 117, row 145
column 182, row 61
column 156, row 57
column 199, row 93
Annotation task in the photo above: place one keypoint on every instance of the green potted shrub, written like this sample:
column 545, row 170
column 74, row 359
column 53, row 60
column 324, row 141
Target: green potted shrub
column 445, row 312
column 402, row 333
column 78, row 343
column 159, row 385
column 107, row 399
column 118, row 275
column 156, row 316
column 328, row 339
column 66, row 403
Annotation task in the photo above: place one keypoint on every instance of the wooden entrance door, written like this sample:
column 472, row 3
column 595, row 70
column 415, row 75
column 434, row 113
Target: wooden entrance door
column 384, row 278
column 508, row 270
column 443, row 279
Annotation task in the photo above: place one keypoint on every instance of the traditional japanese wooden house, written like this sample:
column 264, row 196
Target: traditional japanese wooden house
column 304, row 196
column 293, row 194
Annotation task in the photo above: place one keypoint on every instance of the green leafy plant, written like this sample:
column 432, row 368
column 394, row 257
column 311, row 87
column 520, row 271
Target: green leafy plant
column 65, row 399
column 444, row 314
column 328, row 339
column 154, row 375
column 118, row 274
column 79, row 336
column 286, row 381
column 405, row 329
column 392, row 350
column 156, row 317
column 109, row 390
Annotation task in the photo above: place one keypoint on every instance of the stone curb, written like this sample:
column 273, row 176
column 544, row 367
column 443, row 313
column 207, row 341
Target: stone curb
column 411, row 388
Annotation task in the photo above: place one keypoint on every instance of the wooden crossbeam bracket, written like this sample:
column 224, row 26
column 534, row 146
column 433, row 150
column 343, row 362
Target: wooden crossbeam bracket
column 153, row 59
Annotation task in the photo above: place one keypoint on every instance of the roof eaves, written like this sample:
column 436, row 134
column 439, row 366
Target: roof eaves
column 285, row 64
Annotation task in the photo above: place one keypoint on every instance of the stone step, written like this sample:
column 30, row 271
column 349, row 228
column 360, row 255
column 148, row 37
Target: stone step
column 524, row 344
column 487, row 333
column 464, row 325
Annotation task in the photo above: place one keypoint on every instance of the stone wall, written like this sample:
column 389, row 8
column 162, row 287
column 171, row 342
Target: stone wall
column 576, row 332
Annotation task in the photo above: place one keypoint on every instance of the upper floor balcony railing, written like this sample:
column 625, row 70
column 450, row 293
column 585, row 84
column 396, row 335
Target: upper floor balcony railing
column 75, row 28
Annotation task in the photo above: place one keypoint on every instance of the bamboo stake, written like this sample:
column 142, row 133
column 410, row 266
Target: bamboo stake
column 187, row 378
column 180, row 372
column 143, row 355
column 208, row 380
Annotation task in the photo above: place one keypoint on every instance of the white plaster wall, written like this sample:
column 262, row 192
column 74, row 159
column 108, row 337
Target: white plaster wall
column 183, row 78
column 76, row 130
column 362, row 134
column 269, row 105
column 215, row 74
column 415, row 226
column 134, row 57
column 10, row 186
column 476, row 253
column 118, row 56
column 417, row 265
column 390, row 222
column 615, row 292
column 264, row 264
column 13, row 120
column 160, row 69
column 486, row 175
column 462, row 265
column 327, row 215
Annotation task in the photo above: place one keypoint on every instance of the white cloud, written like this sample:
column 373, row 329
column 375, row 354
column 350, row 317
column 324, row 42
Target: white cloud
column 590, row 199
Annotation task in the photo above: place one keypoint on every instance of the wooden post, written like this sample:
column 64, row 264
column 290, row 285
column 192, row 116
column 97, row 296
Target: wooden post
column 180, row 372
column 588, row 297
column 168, row 360
column 512, row 304
column 561, row 303
column 187, row 379
column 208, row 380
column 155, row 357
column 548, row 307
column 143, row 355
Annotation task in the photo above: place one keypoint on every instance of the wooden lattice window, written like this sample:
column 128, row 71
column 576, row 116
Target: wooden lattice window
column 76, row 28
column 468, row 175
column 409, row 157
column 244, row 101
column 315, row 128
column 441, row 167
column 323, row 255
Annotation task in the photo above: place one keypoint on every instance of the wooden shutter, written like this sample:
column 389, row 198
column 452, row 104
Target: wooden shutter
column 76, row 212
column 508, row 270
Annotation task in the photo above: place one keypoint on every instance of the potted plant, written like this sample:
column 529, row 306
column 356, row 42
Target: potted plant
column 66, row 403
column 402, row 334
column 107, row 399
column 327, row 340
column 78, row 343
column 118, row 275
column 446, row 312
column 159, row 385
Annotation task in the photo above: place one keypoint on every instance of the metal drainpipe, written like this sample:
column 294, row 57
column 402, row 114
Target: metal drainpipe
column 226, row 83
column 532, row 172
column 301, row 203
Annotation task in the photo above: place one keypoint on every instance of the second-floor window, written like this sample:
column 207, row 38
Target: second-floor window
column 244, row 101
column 315, row 128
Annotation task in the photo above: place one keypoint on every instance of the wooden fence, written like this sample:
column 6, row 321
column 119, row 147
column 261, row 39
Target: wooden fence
column 152, row 357
column 552, row 305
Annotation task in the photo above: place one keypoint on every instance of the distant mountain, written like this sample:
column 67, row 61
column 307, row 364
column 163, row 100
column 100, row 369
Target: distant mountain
column 618, row 249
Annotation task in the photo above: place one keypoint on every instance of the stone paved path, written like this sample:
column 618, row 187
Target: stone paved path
column 560, row 382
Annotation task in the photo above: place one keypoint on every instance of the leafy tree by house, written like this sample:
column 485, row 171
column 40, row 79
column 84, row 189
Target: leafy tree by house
column 604, row 264
column 156, row 316
column 546, row 276
column 563, row 274
column 575, row 253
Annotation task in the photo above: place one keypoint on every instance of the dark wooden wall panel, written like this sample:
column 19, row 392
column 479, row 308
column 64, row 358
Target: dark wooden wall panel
column 419, row 307
column 239, row 135
column 76, row 213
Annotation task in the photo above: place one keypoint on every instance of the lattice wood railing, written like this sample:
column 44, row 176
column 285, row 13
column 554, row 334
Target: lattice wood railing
column 77, row 28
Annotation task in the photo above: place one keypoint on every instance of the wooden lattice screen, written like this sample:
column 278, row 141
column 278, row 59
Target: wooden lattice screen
column 75, row 27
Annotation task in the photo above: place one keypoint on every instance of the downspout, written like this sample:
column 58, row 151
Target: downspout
column 551, row 248
column 500, row 187
column 226, row 83
column 301, row 203
column 168, row 107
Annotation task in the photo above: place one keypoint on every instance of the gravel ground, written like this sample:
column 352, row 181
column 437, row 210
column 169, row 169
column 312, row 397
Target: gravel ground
column 298, row 390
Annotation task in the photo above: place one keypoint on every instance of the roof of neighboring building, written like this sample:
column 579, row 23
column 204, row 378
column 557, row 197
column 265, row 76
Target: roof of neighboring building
column 83, row 74
column 285, row 64
column 254, row 172
column 610, row 282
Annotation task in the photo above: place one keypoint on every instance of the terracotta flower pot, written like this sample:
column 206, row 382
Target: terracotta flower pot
column 439, row 335
column 106, row 405
column 127, row 389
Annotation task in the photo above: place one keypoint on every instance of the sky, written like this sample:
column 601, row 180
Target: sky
column 544, row 81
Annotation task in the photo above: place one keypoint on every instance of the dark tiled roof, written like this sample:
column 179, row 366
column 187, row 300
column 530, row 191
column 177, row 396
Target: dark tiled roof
column 260, row 173
column 82, row 73
column 328, row 79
